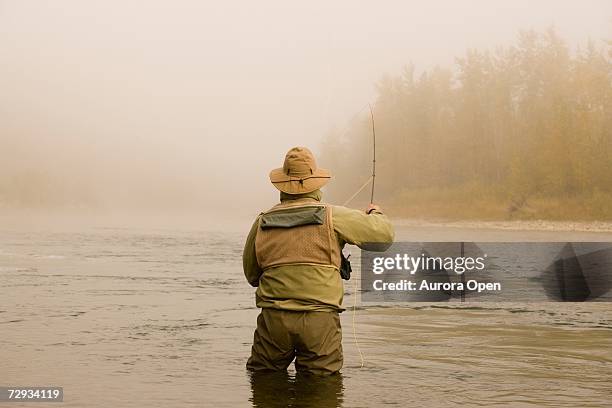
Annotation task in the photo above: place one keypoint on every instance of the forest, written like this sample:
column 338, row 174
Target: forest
column 516, row 132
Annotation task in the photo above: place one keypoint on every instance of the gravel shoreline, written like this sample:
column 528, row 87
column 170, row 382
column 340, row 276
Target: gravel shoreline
column 518, row 225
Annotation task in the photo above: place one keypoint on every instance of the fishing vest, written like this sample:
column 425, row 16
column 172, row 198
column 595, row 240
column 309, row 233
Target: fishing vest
column 297, row 233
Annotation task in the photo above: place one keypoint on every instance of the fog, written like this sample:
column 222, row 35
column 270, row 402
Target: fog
column 185, row 106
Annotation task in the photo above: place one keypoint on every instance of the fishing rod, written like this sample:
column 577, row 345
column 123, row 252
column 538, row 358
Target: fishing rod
column 372, row 177
column 373, row 155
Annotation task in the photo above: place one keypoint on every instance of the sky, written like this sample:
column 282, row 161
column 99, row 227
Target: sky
column 189, row 104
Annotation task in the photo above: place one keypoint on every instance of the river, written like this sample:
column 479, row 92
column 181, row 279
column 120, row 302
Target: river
column 134, row 317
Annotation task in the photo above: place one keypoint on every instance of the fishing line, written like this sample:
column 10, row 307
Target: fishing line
column 354, row 330
column 364, row 185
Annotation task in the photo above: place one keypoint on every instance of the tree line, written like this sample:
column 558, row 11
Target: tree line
column 519, row 131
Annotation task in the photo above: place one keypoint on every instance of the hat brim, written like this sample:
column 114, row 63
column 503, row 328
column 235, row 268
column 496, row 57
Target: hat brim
column 299, row 185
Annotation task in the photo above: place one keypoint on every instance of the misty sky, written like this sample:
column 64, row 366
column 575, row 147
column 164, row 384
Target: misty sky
column 200, row 99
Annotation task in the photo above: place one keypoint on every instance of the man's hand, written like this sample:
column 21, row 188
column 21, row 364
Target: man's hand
column 373, row 207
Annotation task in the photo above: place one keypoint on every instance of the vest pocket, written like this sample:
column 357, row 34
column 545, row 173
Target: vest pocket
column 293, row 217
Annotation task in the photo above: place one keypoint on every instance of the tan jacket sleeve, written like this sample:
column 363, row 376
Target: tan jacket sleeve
column 372, row 232
column 251, row 268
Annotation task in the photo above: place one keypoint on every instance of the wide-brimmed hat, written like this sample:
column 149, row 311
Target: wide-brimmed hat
column 299, row 173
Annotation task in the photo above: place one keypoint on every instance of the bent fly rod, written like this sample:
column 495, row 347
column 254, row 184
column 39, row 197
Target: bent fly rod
column 372, row 177
column 373, row 155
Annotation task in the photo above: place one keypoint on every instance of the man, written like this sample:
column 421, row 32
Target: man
column 293, row 256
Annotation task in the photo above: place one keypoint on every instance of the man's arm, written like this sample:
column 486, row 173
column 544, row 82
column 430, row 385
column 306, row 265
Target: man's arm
column 373, row 231
column 251, row 268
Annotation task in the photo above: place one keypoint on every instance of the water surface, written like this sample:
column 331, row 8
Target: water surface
column 143, row 317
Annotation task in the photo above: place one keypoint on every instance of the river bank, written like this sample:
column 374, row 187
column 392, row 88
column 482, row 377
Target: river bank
column 514, row 225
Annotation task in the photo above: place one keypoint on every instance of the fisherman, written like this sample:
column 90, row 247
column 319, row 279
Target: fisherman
column 293, row 256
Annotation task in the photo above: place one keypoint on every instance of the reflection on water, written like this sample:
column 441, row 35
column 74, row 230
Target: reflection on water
column 134, row 318
column 281, row 389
